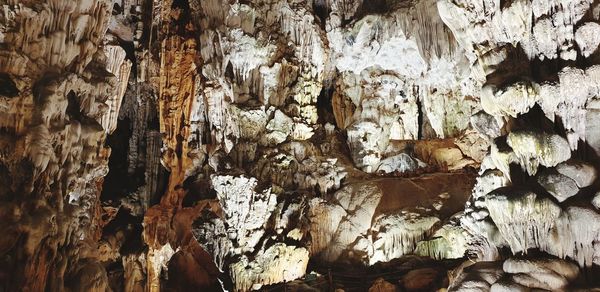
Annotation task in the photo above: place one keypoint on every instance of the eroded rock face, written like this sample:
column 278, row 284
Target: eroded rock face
column 516, row 274
column 185, row 144
column 382, row 220
column 533, row 184
column 64, row 82
column 379, row 98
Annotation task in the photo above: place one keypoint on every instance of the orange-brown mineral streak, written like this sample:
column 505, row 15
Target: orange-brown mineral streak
column 177, row 89
column 178, row 75
column 36, row 271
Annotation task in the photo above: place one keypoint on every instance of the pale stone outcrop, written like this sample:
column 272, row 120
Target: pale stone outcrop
column 515, row 274
column 367, row 222
column 204, row 145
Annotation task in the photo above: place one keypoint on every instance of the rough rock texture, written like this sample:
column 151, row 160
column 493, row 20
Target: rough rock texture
column 372, row 222
column 516, row 274
column 543, row 197
column 63, row 83
column 204, row 145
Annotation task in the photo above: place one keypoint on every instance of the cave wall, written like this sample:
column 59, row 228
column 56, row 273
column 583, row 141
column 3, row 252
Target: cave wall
column 182, row 144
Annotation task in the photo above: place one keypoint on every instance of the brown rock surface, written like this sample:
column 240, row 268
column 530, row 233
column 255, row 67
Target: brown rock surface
column 178, row 145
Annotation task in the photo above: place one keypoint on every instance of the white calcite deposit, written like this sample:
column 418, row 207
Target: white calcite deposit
column 188, row 145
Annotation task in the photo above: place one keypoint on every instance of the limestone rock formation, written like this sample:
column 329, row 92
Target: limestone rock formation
column 381, row 145
column 516, row 274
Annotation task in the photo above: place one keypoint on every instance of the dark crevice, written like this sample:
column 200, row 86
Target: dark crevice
column 8, row 87
column 181, row 20
column 420, row 119
column 116, row 276
column 321, row 10
column 511, row 69
column 161, row 187
column 130, row 54
column 117, row 9
column 118, row 183
column 197, row 190
column 181, row 4
column 374, row 7
column 229, row 71
column 325, row 107
column 505, row 4
column 73, row 107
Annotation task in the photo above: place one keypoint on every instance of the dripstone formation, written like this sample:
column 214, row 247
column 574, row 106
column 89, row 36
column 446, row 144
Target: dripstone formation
column 384, row 145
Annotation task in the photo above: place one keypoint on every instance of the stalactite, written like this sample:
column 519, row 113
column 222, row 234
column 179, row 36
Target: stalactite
column 202, row 145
